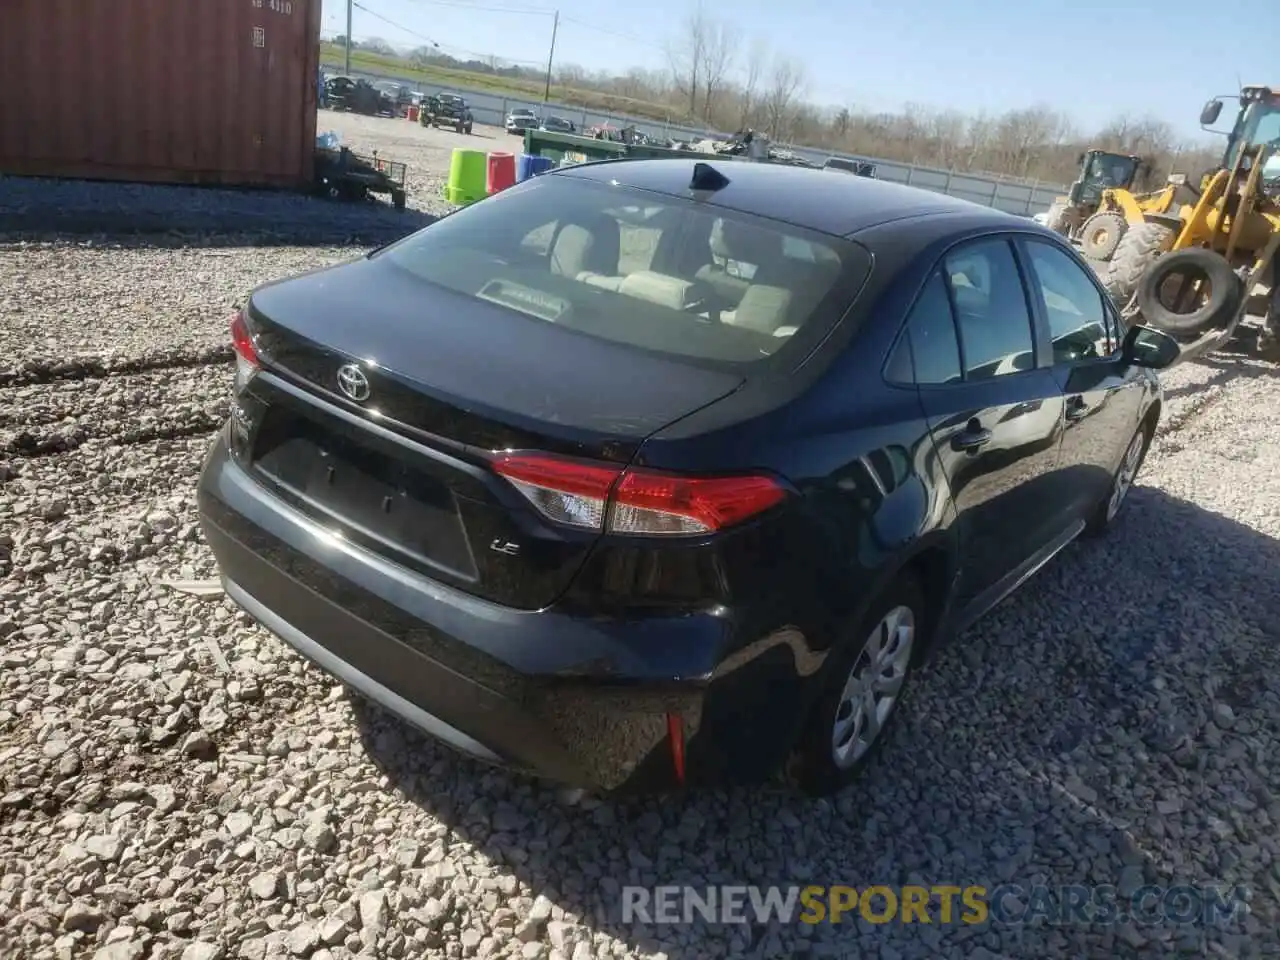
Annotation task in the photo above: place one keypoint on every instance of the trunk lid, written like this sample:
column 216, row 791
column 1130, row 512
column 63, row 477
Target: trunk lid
column 404, row 471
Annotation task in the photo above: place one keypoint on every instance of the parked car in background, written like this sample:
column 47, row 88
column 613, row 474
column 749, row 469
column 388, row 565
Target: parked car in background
column 859, row 168
column 358, row 96
column 521, row 119
column 557, row 125
column 398, row 93
column 630, row 489
column 447, row 110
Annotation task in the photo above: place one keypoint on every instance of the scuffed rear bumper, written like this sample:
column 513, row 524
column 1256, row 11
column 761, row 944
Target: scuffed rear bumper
column 581, row 701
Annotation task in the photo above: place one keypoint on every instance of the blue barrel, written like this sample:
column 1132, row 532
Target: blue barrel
column 530, row 165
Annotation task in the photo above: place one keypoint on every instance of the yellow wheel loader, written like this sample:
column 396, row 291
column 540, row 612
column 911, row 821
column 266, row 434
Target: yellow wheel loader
column 1194, row 270
column 1120, row 208
column 1100, row 171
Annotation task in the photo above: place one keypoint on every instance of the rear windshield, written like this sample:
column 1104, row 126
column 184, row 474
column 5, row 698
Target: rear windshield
column 660, row 273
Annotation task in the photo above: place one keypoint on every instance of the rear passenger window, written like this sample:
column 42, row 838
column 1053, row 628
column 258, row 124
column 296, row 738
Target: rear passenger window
column 933, row 335
column 991, row 310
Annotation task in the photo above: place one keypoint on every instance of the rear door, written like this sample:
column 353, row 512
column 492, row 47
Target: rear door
column 1103, row 395
column 995, row 412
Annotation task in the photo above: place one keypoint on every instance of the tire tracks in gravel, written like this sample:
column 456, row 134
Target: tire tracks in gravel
column 39, row 371
column 56, row 410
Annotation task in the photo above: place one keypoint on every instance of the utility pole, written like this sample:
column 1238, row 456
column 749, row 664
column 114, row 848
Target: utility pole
column 347, row 67
column 555, row 28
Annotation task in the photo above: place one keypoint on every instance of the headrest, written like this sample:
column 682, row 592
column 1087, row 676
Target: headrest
column 658, row 288
column 743, row 242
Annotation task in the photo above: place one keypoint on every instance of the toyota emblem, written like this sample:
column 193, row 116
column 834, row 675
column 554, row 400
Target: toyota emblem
column 353, row 382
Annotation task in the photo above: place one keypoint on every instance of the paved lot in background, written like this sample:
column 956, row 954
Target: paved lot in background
column 175, row 783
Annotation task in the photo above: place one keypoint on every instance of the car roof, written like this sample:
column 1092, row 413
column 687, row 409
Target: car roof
column 807, row 197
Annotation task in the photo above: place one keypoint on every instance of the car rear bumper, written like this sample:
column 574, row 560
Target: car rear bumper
column 585, row 701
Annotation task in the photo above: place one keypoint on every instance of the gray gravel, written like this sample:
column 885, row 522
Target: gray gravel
column 175, row 783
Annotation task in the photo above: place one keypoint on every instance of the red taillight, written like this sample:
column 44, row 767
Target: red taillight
column 242, row 340
column 567, row 491
column 655, row 503
column 636, row 502
column 247, row 362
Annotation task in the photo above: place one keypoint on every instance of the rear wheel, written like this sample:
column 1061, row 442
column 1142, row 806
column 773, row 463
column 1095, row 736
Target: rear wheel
column 1141, row 245
column 1101, row 234
column 866, row 679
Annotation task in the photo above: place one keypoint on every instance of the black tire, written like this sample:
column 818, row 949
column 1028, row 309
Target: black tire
column 1140, row 246
column 1226, row 292
column 1101, row 234
column 814, row 769
column 1103, row 518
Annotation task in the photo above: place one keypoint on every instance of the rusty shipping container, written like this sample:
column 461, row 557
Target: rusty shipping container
column 199, row 91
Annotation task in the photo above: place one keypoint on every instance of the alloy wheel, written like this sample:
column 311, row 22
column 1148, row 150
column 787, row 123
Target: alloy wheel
column 872, row 689
column 1126, row 474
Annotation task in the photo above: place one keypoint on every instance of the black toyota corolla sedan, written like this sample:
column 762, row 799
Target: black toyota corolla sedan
column 644, row 474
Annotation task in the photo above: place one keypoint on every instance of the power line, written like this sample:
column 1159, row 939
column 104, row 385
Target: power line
column 543, row 12
column 608, row 31
column 518, row 10
column 487, row 8
column 441, row 46
column 392, row 23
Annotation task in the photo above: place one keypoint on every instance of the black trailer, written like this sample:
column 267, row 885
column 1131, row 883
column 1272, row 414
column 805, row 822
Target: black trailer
column 343, row 175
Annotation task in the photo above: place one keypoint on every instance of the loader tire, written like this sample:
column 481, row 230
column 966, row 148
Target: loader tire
column 1057, row 219
column 1101, row 234
column 1160, row 284
column 1141, row 245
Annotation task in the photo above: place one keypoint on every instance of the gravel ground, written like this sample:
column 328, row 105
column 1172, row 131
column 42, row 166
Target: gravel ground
column 175, row 783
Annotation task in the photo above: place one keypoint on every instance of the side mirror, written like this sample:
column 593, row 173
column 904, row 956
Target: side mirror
column 1076, row 193
column 1080, row 160
column 1209, row 115
column 1149, row 347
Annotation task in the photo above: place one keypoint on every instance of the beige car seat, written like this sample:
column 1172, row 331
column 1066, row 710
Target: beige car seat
column 587, row 244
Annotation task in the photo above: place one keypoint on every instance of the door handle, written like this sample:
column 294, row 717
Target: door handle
column 972, row 438
column 1076, row 409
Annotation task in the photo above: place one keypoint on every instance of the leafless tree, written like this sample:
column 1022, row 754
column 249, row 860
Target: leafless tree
column 378, row 45
column 705, row 79
column 786, row 81
column 752, row 76
column 686, row 56
column 841, row 122
column 570, row 75
column 718, row 50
